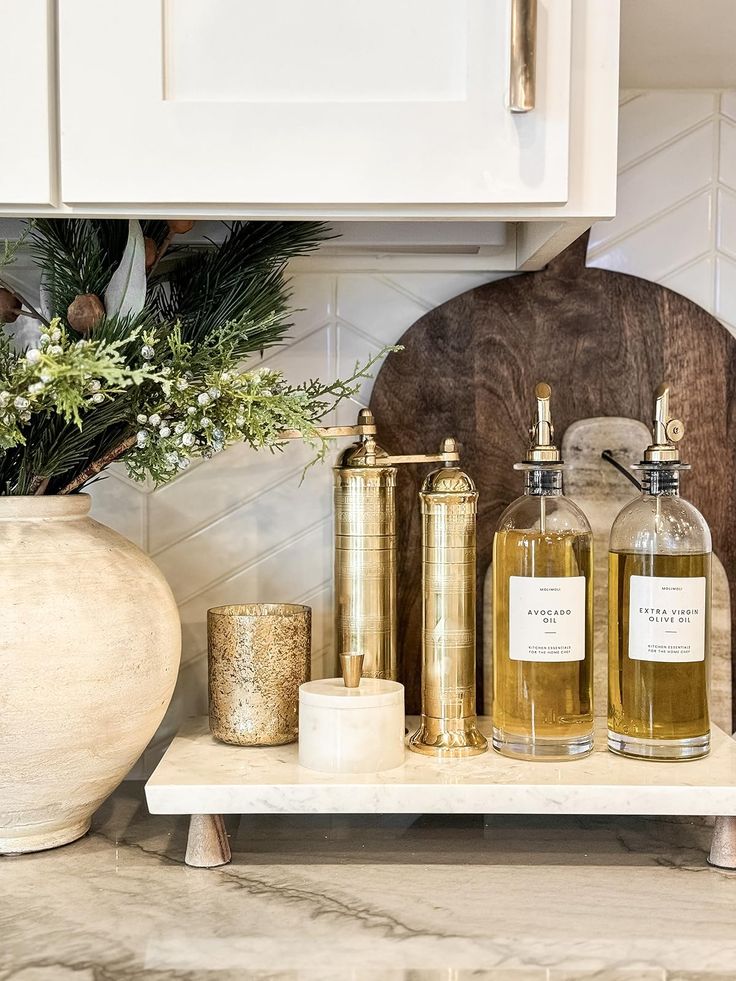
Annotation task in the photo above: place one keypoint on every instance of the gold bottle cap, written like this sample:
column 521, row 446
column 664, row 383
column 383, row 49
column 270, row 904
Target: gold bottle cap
column 666, row 432
column 351, row 665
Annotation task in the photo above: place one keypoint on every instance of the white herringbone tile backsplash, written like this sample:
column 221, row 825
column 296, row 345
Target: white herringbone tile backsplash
column 240, row 528
column 676, row 214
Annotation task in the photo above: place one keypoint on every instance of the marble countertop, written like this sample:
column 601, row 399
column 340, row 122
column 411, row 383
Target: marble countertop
column 368, row 898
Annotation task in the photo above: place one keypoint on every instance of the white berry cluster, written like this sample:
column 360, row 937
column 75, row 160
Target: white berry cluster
column 63, row 374
column 194, row 419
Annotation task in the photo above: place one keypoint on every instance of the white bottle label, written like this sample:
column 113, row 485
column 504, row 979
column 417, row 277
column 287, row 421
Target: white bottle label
column 667, row 618
column 547, row 618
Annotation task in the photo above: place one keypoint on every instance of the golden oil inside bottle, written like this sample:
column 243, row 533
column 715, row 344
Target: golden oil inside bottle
column 655, row 700
column 546, row 707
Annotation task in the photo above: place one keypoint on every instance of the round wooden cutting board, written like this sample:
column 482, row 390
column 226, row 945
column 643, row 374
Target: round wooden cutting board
column 604, row 341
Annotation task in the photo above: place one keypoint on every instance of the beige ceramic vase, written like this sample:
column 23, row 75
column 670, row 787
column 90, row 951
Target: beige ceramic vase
column 89, row 650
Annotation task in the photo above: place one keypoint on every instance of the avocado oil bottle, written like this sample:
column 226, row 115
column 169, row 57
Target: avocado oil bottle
column 543, row 611
column 659, row 611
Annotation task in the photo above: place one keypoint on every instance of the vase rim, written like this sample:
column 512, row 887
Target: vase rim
column 259, row 610
column 29, row 507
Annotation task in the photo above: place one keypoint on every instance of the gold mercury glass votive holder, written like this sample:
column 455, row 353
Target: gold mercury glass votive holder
column 258, row 656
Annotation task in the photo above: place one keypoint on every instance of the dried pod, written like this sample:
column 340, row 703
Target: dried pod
column 85, row 312
column 179, row 226
column 151, row 252
column 9, row 307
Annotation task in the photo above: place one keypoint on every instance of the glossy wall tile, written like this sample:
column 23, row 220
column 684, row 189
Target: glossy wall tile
column 676, row 211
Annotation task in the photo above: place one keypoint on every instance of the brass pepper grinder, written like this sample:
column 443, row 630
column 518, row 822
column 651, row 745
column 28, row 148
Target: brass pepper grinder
column 449, row 725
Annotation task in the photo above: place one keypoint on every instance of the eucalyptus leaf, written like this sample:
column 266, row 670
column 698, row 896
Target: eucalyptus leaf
column 126, row 292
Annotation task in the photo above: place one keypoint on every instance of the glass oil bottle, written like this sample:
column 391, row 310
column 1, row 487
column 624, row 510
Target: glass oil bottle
column 659, row 610
column 543, row 611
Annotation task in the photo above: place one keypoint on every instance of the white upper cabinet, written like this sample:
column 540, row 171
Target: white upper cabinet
column 27, row 126
column 314, row 103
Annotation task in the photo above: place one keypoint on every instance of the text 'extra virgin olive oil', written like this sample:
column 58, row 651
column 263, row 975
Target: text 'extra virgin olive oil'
column 659, row 599
column 543, row 611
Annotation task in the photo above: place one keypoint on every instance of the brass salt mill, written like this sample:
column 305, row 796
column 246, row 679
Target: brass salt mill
column 365, row 542
column 449, row 725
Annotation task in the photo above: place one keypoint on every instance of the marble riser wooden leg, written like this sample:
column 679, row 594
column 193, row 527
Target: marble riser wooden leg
column 207, row 844
column 723, row 848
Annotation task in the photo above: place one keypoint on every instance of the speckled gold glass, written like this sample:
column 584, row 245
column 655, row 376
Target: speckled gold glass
column 258, row 655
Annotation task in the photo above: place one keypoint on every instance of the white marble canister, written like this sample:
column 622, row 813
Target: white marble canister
column 351, row 730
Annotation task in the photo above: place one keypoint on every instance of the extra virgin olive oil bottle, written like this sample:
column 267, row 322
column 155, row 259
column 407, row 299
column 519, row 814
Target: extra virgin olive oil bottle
column 542, row 611
column 659, row 611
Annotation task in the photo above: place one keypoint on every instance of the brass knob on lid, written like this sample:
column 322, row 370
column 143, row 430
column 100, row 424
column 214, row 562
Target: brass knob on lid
column 351, row 665
column 449, row 448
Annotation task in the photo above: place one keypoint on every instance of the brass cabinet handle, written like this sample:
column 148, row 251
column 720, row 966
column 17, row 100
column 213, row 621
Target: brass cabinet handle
column 522, row 75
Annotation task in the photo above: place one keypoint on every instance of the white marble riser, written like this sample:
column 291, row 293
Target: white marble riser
column 198, row 775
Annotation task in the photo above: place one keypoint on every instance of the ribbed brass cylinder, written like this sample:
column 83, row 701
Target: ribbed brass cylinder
column 365, row 564
column 449, row 726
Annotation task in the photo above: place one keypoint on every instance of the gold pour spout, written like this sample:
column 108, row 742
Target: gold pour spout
column 666, row 431
column 541, row 432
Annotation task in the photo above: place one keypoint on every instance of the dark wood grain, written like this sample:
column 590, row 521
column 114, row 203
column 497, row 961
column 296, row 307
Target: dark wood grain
column 603, row 341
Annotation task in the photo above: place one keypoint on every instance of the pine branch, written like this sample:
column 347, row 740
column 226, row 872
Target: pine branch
column 241, row 278
column 76, row 256
column 96, row 466
column 55, row 450
column 38, row 486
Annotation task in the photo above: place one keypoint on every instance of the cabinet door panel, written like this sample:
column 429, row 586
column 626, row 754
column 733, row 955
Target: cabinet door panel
column 307, row 101
column 311, row 51
column 25, row 173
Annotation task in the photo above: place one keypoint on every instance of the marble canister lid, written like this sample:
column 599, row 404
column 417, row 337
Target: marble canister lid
column 332, row 693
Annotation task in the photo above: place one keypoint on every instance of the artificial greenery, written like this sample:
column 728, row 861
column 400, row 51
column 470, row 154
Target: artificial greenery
column 142, row 348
